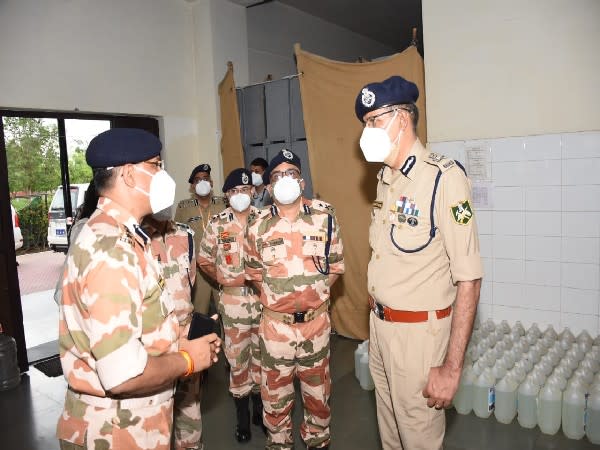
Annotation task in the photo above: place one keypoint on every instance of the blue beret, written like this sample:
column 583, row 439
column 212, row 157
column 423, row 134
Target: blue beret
column 200, row 168
column 284, row 156
column 393, row 91
column 237, row 177
column 119, row 146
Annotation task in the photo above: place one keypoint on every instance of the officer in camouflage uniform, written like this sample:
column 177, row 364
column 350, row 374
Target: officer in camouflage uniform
column 294, row 253
column 173, row 248
column 221, row 257
column 197, row 212
column 119, row 334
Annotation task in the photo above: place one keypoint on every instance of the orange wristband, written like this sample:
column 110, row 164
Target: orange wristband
column 190, row 363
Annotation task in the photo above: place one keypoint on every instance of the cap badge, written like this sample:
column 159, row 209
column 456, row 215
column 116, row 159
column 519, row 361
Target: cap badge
column 244, row 178
column 204, row 167
column 368, row 98
column 287, row 154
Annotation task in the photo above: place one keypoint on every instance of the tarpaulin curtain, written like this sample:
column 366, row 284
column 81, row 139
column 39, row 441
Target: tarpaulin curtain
column 231, row 141
column 339, row 172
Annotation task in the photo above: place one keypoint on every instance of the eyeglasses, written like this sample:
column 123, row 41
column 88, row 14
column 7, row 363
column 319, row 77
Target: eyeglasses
column 375, row 122
column 158, row 164
column 278, row 175
column 242, row 190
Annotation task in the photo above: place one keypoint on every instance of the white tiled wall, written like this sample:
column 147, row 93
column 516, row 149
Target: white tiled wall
column 540, row 242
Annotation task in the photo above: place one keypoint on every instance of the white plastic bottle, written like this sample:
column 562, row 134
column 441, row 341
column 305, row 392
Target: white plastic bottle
column 573, row 410
column 550, row 408
column 527, row 402
column 566, row 335
column 360, row 350
column 592, row 425
column 484, row 394
column 505, row 408
column 366, row 381
column 463, row 400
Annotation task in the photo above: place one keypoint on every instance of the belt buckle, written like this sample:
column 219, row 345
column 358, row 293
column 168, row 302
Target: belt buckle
column 299, row 317
column 378, row 310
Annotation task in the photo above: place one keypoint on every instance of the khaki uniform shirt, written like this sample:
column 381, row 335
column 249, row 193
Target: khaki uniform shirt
column 223, row 247
column 285, row 255
column 410, row 269
column 191, row 213
column 114, row 310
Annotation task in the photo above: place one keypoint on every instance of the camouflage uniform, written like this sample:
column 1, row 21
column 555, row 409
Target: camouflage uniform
column 171, row 248
column 284, row 255
column 191, row 213
column 222, row 248
column 114, row 313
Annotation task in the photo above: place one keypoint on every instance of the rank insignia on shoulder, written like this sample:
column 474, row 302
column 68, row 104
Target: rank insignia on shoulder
column 188, row 203
column 377, row 204
column 448, row 163
column 435, row 157
column 462, row 212
column 127, row 239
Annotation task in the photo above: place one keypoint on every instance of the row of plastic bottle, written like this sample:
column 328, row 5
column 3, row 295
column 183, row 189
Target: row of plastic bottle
column 543, row 379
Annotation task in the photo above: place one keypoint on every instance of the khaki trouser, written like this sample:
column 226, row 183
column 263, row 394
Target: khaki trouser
column 201, row 293
column 400, row 356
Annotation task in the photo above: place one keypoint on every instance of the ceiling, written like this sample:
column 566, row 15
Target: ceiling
column 386, row 21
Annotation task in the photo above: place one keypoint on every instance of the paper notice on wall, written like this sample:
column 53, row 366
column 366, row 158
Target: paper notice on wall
column 482, row 194
column 479, row 165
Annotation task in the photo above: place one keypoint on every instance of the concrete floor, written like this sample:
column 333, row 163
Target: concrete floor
column 28, row 416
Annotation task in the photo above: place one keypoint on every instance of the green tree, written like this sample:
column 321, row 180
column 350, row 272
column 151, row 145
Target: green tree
column 33, row 155
column 79, row 171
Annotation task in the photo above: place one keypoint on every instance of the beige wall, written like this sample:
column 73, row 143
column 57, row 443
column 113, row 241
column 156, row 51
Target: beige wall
column 150, row 57
column 512, row 68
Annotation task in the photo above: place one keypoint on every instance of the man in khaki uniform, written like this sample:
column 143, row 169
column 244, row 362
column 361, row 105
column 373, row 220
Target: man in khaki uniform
column 197, row 212
column 425, row 271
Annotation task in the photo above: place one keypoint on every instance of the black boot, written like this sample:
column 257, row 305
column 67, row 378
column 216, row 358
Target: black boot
column 242, row 429
column 257, row 412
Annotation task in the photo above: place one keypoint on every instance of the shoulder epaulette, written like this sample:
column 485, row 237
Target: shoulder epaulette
column 443, row 163
column 218, row 199
column 320, row 205
column 187, row 203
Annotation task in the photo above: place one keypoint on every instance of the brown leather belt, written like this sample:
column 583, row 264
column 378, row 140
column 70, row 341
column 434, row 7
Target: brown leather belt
column 397, row 315
column 296, row 317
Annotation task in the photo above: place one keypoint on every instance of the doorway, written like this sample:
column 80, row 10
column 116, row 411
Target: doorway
column 42, row 155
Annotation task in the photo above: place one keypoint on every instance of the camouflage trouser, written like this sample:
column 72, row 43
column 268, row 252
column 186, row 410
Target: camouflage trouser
column 187, row 421
column 84, row 426
column 241, row 316
column 300, row 350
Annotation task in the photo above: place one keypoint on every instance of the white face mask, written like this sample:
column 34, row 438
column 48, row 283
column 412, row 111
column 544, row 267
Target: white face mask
column 286, row 190
column 256, row 179
column 375, row 142
column 203, row 188
column 162, row 190
column 240, row 202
